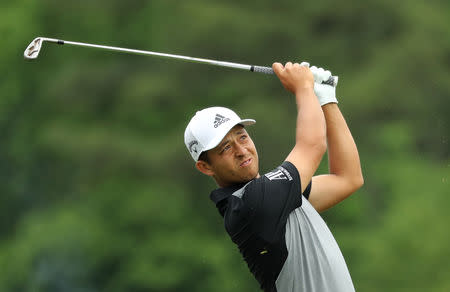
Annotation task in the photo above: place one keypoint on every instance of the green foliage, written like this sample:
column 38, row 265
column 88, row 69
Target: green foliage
column 97, row 191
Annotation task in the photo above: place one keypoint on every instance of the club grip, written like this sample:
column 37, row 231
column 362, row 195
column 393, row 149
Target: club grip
column 267, row 70
column 261, row 69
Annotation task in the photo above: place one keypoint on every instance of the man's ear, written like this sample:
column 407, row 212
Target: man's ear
column 204, row 167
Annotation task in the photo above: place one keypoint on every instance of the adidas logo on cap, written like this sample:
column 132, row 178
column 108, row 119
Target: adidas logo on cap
column 219, row 120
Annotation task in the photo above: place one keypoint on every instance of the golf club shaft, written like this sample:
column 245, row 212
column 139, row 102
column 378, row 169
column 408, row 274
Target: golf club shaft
column 162, row 55
column 252, row 68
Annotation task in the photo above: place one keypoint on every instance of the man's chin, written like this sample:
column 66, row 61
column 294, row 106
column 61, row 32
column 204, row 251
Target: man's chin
column 250, row 177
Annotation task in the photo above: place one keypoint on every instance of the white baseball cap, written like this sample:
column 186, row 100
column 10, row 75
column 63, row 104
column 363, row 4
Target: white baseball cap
column 208, row 127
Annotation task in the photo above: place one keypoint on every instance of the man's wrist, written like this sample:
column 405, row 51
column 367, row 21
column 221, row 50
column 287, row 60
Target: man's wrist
column 304, row 90
column 330, row 106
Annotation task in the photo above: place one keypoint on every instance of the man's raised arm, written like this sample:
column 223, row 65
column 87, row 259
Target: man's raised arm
column 310, row 143
column 345, row 175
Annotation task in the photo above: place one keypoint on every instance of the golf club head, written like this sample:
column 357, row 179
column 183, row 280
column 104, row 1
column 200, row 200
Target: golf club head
column 33, row 49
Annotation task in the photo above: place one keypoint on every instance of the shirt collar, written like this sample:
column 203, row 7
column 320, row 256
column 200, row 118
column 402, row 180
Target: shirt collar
column 220, row 197
column 221, row 194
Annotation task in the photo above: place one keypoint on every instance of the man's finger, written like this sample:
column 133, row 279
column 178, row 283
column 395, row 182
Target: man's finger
column 277, row 68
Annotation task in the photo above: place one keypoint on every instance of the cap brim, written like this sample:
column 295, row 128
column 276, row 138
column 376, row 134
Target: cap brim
column 246, row 122
column 218, row 138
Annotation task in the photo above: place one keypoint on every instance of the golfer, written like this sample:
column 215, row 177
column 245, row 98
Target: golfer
column 274, row 218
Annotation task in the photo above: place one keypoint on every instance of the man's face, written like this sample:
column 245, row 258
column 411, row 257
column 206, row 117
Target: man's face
column 235, row 159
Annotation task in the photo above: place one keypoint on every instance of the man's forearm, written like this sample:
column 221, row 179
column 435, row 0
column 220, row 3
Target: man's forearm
column 343, row 155
column 310, row 127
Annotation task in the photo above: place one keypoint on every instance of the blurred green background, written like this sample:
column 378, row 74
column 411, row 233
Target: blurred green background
column 97, row 190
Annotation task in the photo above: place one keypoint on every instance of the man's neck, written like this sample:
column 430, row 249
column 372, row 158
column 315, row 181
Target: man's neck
column 231, row 184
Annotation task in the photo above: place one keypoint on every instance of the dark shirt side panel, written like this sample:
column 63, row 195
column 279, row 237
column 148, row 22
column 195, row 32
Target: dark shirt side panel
column 256, row 222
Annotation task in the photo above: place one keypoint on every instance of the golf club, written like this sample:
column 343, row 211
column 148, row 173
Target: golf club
column 33, row 49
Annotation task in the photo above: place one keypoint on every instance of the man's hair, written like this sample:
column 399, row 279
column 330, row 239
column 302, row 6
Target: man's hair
column 204, row 157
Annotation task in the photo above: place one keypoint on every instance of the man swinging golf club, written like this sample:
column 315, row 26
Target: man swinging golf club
column 273, row 218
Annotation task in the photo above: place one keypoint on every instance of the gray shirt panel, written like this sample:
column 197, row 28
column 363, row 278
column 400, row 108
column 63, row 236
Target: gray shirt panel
column 315, row 262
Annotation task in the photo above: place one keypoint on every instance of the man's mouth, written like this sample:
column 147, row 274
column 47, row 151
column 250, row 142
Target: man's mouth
column 246, row 162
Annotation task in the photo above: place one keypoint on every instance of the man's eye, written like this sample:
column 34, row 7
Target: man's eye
column 225, row 148
column 243, row 137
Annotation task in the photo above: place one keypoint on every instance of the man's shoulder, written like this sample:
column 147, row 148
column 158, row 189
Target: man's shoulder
column 286, row 171
column 274, row 182
column 278, row 180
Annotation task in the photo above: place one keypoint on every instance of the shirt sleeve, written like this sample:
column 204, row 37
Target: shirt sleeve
column 293, row 170
column 273, row 197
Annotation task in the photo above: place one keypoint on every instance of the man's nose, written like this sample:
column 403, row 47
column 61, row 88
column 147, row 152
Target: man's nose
column 240, row 150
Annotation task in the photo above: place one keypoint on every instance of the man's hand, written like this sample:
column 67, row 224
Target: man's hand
column 325, row 93
column 294, row 77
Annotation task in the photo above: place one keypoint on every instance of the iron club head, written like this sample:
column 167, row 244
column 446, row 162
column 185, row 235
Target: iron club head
column 33, row 49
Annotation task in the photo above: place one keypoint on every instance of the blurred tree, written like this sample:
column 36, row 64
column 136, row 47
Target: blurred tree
column 97, row 191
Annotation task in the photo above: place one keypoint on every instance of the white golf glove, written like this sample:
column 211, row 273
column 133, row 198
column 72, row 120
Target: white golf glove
column 325, row 93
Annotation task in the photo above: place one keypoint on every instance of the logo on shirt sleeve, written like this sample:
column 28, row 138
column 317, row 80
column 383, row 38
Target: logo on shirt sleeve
column 280, row 174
